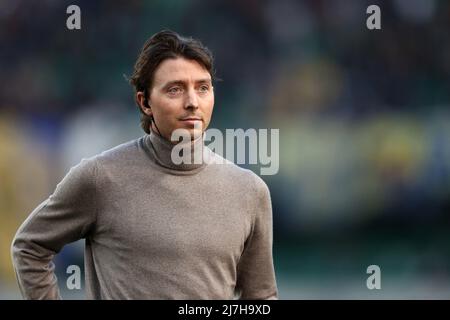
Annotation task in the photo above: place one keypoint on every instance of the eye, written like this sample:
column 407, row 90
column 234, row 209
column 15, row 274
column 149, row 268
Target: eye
column 203, row 88
column 174, row 90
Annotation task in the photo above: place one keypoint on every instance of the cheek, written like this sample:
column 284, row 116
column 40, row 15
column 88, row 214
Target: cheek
column 166, row 107
column 208, row 111
column 209, row 105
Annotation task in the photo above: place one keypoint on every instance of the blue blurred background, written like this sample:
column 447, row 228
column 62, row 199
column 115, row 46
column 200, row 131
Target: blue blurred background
column 364, row 119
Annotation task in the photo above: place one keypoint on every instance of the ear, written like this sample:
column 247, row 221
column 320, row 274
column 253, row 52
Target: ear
column 140, row 100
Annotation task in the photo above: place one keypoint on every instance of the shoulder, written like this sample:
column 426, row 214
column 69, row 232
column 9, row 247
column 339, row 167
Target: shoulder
column 124, row 151
column 118, row 156
column 250, row 181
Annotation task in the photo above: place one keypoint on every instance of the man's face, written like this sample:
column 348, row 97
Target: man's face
column 182, row 96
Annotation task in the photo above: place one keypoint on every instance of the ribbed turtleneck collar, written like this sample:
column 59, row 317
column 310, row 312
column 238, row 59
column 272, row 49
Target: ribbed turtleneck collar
column 160, row 149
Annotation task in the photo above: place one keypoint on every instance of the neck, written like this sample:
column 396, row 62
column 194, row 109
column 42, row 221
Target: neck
column 181, row 156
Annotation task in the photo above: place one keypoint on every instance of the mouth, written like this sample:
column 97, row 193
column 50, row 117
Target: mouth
column 191, row 119
column 192, row 122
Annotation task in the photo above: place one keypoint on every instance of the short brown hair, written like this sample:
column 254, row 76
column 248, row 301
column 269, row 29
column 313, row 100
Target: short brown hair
column 163, row 45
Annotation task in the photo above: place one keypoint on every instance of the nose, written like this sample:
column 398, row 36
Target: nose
column 191, row 100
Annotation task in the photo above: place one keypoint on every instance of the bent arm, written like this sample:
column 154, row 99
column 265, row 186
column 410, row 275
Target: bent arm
column 66, row 216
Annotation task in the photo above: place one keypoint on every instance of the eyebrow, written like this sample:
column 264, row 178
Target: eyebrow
column 182, row 82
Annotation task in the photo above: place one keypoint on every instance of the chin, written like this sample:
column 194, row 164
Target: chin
column 195, row 130
column 195, row 133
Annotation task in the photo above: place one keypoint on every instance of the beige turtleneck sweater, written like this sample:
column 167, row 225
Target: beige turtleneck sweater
column 153, row 229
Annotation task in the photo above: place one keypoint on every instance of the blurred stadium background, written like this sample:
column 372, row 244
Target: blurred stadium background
column 364, row 119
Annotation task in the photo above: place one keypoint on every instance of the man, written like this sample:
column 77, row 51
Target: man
column 155, row 229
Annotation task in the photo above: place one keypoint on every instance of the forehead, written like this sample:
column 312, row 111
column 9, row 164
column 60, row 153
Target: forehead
column 179, row 69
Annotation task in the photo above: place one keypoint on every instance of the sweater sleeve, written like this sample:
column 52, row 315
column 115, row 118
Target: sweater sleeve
column 255, row 270
column 66, row 216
